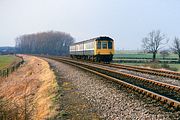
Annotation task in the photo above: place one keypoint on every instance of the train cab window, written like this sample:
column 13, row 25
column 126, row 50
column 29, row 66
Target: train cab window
column 109, row 45
column 104, row 45
column 99, row 45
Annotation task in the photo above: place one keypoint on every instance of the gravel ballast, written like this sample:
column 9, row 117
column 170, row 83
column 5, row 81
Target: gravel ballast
column 108, row 100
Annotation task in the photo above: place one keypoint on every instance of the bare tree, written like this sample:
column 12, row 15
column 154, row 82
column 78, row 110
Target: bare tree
column 154, row 42
column 52, row 43
column 176, row 47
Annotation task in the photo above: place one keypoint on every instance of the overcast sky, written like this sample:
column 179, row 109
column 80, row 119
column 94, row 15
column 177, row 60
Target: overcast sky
column 126, row 21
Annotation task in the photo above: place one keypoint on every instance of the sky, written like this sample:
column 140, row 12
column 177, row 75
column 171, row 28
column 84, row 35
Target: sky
column 126, row 21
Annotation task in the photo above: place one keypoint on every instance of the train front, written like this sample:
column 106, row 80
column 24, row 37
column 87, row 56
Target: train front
column 104, row 49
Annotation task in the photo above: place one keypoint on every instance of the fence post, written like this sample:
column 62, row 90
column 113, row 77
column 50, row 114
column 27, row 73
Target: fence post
column 12, row 70
column 4, row 73
column 7, row 72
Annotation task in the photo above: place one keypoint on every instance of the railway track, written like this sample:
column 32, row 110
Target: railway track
column 162, row 73
column 150, row 71
column 163, row 92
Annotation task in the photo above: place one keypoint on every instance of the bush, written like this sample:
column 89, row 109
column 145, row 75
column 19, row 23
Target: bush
column 166, row 66
column 12, row 110
column 153, row 65
column 7, row 111
column 158, row 66
column 173, row 69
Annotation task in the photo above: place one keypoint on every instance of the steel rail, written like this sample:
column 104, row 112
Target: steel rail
column 169, row 74
column 115, row 78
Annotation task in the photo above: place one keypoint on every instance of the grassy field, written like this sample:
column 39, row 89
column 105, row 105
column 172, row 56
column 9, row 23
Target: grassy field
column 142, row 55
column 136, row 55
column 6, row 60
column 175, row 66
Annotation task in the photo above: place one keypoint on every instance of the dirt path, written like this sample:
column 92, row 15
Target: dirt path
column 30, row 90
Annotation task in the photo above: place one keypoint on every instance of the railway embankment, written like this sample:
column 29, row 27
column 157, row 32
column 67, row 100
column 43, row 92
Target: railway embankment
column 86, row 94
column 29, row 92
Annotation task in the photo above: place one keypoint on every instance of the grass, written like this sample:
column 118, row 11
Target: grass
column 141, row 55
column 175, row 66
column 133, row 64
column 135, row 54
column 6, row 60
column 29, row 92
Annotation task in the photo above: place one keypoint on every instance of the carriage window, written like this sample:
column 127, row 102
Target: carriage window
column 109, row 45
column 104, row 45
column 99, row 45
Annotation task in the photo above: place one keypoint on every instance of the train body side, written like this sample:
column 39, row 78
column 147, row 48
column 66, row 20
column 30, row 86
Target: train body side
column 97, row 49
column 83, row 48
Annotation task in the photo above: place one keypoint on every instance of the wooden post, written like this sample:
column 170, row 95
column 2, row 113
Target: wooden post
column 7, row 72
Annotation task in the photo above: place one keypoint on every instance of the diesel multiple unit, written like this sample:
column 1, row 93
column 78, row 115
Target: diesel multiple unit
column 96, row 49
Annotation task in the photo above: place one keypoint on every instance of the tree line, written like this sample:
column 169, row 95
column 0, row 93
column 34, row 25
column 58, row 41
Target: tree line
column 52, row 43
column 155, row 41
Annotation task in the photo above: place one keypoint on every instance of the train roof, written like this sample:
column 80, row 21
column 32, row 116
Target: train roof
column 97, row 39
column 104, row 38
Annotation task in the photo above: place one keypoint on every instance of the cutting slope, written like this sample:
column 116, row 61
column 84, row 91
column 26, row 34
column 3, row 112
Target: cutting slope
column 31, row 89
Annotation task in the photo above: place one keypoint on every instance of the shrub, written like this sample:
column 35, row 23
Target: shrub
column 164, row 65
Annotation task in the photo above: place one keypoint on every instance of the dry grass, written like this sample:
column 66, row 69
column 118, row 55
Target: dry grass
column 32, row 88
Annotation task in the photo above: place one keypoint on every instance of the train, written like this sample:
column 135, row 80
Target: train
column 99, row 49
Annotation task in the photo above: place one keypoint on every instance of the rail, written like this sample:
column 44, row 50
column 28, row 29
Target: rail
column 164, row 73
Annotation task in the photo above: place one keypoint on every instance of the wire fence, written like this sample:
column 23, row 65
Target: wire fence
column 6, row 71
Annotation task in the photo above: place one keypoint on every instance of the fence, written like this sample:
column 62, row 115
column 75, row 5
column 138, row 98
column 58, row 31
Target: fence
column 6, row 71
